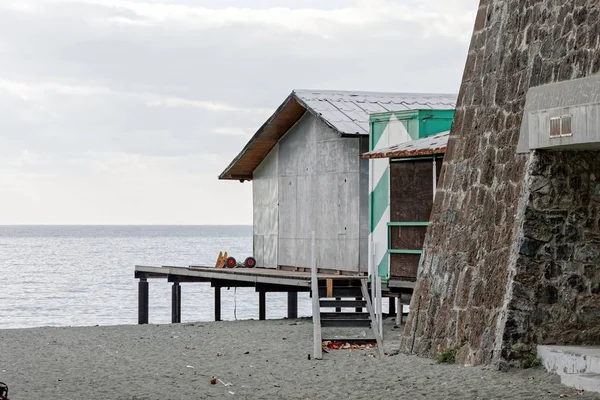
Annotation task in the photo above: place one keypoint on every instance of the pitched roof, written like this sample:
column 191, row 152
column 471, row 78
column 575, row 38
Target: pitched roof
column 348, row 112
column 434, row 144
column 345, row 112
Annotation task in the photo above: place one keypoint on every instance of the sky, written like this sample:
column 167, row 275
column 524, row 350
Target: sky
column 126, row 111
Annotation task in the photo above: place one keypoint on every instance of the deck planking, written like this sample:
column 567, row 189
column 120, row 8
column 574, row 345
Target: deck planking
column 253, row 275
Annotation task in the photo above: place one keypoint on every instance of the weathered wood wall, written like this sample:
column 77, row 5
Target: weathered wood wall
column 318, row 187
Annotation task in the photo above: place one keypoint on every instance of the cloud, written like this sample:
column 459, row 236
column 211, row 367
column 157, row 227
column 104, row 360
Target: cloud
column 37, row 92
column 103, row 99
column 233, row 132
column 160, row 101
column 442, row 18
column 119, row 189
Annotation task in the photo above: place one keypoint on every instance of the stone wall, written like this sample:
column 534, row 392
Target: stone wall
column 556, row 289
column 482, row 289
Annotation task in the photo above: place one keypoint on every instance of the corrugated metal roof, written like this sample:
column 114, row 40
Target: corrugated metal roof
column 345, row 112
column 434, row 144
column 348, row 112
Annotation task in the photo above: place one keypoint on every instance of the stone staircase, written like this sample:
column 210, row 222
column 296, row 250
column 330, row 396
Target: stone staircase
column 577, row 366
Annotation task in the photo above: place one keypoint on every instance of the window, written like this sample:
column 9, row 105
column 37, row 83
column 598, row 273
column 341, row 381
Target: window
column 560, row 127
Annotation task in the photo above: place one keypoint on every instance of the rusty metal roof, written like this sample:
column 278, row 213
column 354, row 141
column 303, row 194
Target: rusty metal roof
column 434, row 144
column 345, row 112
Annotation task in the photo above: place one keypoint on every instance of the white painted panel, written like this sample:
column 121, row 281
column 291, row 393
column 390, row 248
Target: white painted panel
column 265, row 204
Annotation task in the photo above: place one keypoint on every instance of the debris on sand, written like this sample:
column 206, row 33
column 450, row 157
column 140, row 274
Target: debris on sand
column 333, row 345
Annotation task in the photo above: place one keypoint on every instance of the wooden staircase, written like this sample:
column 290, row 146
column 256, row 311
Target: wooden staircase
column 342, row 298
column 345, row 303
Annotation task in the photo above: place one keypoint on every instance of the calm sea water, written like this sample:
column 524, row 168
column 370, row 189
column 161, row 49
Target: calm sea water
column 84, row 275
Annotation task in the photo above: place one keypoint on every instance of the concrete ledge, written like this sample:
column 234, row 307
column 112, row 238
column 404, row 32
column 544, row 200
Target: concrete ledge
column 587, row 382
column 577, row 366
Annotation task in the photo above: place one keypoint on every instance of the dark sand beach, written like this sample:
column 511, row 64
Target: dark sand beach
column 250, row 359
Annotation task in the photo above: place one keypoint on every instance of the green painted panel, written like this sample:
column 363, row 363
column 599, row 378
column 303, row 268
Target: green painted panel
column 379, row 198
column 413, row 126
column 384, row 266
column 385, row 116
column 398, row 251
column 378, row 128
column 408, row 223
column 434, row 121
column 419, row 123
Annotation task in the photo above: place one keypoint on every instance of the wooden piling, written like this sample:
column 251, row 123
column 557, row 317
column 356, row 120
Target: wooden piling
column 217, row 303
column 392, row 309
column 400, row 312
column 143, row 301
column 316, row 309
column 176, row 303
column 262, row 306
column 292, row 305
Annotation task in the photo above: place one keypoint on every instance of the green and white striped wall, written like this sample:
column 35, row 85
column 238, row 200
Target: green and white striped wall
column 389, row 129
column 383, row 134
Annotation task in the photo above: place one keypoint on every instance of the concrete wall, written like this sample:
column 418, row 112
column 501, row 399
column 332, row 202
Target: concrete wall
column 321, row 186
column 476, row 292
column 578, row 99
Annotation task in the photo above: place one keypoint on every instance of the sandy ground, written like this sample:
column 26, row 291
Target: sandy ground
column 259, row 359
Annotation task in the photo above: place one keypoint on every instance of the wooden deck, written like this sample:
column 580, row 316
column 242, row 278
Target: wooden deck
column 250, row 275
column 262, row 279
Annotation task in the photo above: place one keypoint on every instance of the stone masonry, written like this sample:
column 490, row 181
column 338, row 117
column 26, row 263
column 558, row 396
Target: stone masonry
column 512, row 253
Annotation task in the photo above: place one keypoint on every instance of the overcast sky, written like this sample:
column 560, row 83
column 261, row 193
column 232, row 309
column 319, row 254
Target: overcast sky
column 125, row 112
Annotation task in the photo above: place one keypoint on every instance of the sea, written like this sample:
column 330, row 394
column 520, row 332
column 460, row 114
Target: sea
column 84, row 275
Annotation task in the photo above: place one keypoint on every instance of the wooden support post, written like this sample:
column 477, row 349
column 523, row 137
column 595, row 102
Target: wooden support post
column 374, row 324
column 262, row 306
column 400, row 312
column 143, row 301
column 217, row 303
column 329, row 283
column 316, row 309
column 176, row 303
column 434, row 177
column 292, row 305
column 378, row 306
column 358, row 309
column 392, row 309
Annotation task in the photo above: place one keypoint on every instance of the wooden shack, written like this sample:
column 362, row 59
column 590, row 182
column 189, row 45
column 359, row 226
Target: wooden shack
column 414, row 168
column 307, row 175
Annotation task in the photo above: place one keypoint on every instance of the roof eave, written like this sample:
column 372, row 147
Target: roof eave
column 404, row 154
column 227, row 173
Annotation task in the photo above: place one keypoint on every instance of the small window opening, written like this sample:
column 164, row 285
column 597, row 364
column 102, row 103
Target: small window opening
column 560, row 127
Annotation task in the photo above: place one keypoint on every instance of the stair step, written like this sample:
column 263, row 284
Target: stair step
column 570, row 359
column 345, row 323
column 578, row 366
column 342, row 291
column 587, row 382
column 344, row 315
column 343, row 303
